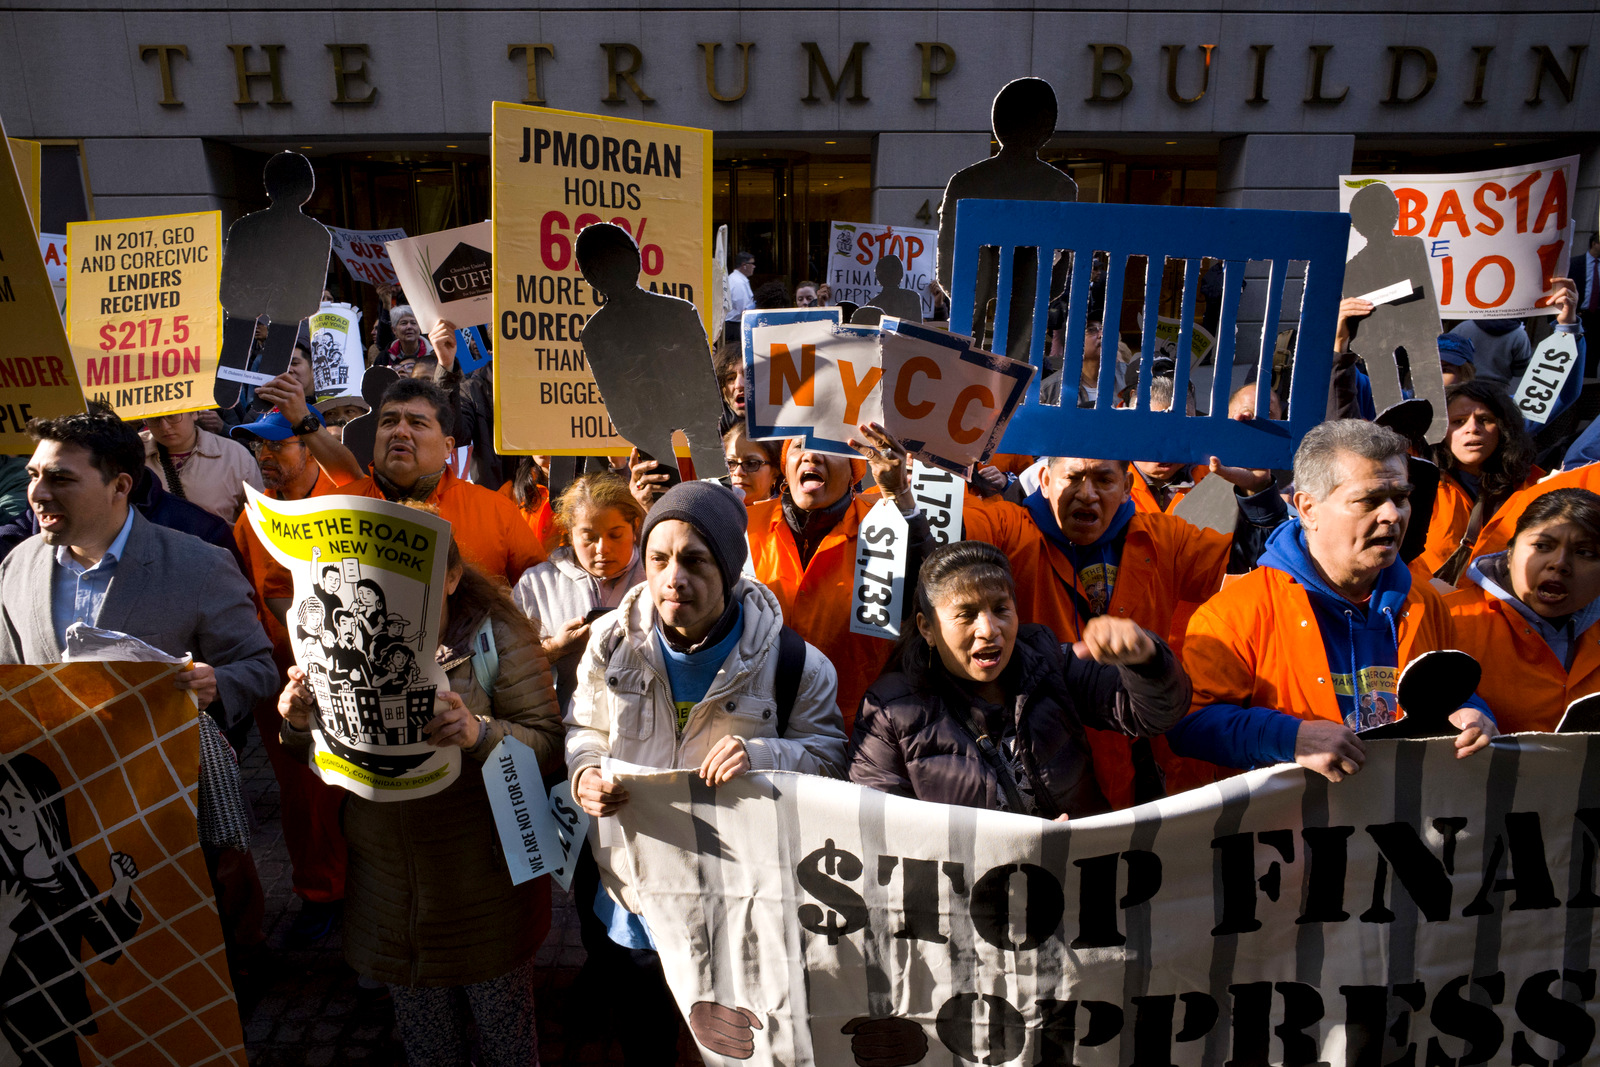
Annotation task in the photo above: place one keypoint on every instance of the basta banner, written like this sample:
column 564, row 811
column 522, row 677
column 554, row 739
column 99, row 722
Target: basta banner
column 364, row 625
column 1428, row 910
column 1495, row 238
column 556, row 172
column 365, row 254
column 142, row 311
column 855, row 250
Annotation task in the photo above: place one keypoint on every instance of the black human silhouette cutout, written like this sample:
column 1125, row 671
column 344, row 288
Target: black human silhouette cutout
column 649, row 356
column 1412, row 322
column 273, row 268
column 361, row 433
column 1023, row 117
column 894, row 298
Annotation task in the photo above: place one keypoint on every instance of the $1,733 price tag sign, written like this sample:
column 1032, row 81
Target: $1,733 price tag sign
column 942, row 496
column 1546, row 375
column 878, row 596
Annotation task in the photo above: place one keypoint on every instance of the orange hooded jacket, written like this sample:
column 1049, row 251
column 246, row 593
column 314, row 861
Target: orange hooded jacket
column 541, row 520
column 1526, row 686
column 1497, row 532
column 1452, row 511
column 1165, row 561
column 816, row 598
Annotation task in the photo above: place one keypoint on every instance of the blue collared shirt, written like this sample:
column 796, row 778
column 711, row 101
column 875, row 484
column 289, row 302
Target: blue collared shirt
column 76, row 592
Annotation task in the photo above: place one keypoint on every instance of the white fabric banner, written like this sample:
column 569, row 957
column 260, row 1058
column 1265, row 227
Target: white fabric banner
column 1495, row 238
column 1429, row 910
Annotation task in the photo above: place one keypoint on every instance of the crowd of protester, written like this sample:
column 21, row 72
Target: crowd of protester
column 1078, row 647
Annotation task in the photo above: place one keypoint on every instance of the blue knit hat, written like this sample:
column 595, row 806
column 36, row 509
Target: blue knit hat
column 1455, row 349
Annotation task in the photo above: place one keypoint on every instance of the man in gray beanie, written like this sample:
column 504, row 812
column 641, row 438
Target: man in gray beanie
column 688, row 672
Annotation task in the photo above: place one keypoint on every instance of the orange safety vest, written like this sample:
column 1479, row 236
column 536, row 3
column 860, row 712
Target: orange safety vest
column 1165, row 562
column 1526, row 686
column 816, row 598
column 1257, row 645
column 1145, row 500
column 541, row 520
column 1452, row 511
column 1497, row 532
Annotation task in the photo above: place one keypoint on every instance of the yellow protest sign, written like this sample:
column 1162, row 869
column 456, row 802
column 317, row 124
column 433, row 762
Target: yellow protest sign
column 385, row 541
column 142, row 311
column 556, row 172
column 37, row 379
column 29, row 158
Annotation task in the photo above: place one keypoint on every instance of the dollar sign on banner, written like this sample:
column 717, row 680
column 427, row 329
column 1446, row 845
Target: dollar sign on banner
column 847, row 912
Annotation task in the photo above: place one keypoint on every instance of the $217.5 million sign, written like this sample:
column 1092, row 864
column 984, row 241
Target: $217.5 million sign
column 556, row 172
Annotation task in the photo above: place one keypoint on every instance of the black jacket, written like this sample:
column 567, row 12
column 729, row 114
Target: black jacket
column 908, row 741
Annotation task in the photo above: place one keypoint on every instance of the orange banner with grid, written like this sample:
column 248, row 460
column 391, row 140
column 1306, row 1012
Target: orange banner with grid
column 111, row 947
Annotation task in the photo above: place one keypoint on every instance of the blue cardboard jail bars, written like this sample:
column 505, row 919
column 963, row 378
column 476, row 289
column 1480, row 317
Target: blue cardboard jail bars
column 1233, row 235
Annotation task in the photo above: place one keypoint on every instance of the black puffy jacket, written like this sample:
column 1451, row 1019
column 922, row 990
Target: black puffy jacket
column 908, row 742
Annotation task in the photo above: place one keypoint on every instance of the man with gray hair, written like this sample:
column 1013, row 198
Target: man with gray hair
column 1292, row 660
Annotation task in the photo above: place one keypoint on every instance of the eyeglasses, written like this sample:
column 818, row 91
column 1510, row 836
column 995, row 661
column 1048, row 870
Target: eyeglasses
column 261, row 444
column 749, row 465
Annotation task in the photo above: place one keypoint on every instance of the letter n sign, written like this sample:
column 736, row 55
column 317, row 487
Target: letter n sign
column 1269, row 243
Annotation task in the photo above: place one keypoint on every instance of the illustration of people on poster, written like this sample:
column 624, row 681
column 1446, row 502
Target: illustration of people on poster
column 364, row 620
column 337, row 361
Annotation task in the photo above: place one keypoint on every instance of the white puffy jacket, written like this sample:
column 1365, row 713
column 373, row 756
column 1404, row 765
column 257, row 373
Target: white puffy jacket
column 623, row 705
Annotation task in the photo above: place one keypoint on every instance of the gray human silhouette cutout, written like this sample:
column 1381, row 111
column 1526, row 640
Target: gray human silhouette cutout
column 361, row 433
column 273, row 267
column 649, row 355
column 894, row 298
column 1411, row 322
column 1023, row 117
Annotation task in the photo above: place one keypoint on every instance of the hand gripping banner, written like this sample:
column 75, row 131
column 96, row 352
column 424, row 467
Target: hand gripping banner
column 1429, row 910
column 1027, row 231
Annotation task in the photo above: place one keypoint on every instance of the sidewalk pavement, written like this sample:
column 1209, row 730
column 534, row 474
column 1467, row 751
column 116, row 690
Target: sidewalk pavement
column 303, row 1007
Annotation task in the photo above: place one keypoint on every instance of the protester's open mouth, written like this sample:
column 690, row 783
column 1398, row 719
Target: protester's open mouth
column 812, row 479
column 986, row 658
column 1551, row 592
column 51, row 519
column 1382, row 541
column 1085, row 516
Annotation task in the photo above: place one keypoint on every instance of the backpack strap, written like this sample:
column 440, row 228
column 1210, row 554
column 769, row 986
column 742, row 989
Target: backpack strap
column 485, row 658
column 786, row 683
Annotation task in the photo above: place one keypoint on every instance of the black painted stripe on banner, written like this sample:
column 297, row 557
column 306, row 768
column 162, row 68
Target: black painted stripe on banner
column 1225, row 948
column 877, row 942
column 1136, row 966
column 1310, row 948
column 1402, row 931
column 1580, row 921
column 962, row 950
column 1501, row 797
column 711, row 923
column 787, row 833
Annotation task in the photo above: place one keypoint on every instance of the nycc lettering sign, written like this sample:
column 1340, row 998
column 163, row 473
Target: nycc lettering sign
column 815, row 376
column 1431, row 910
